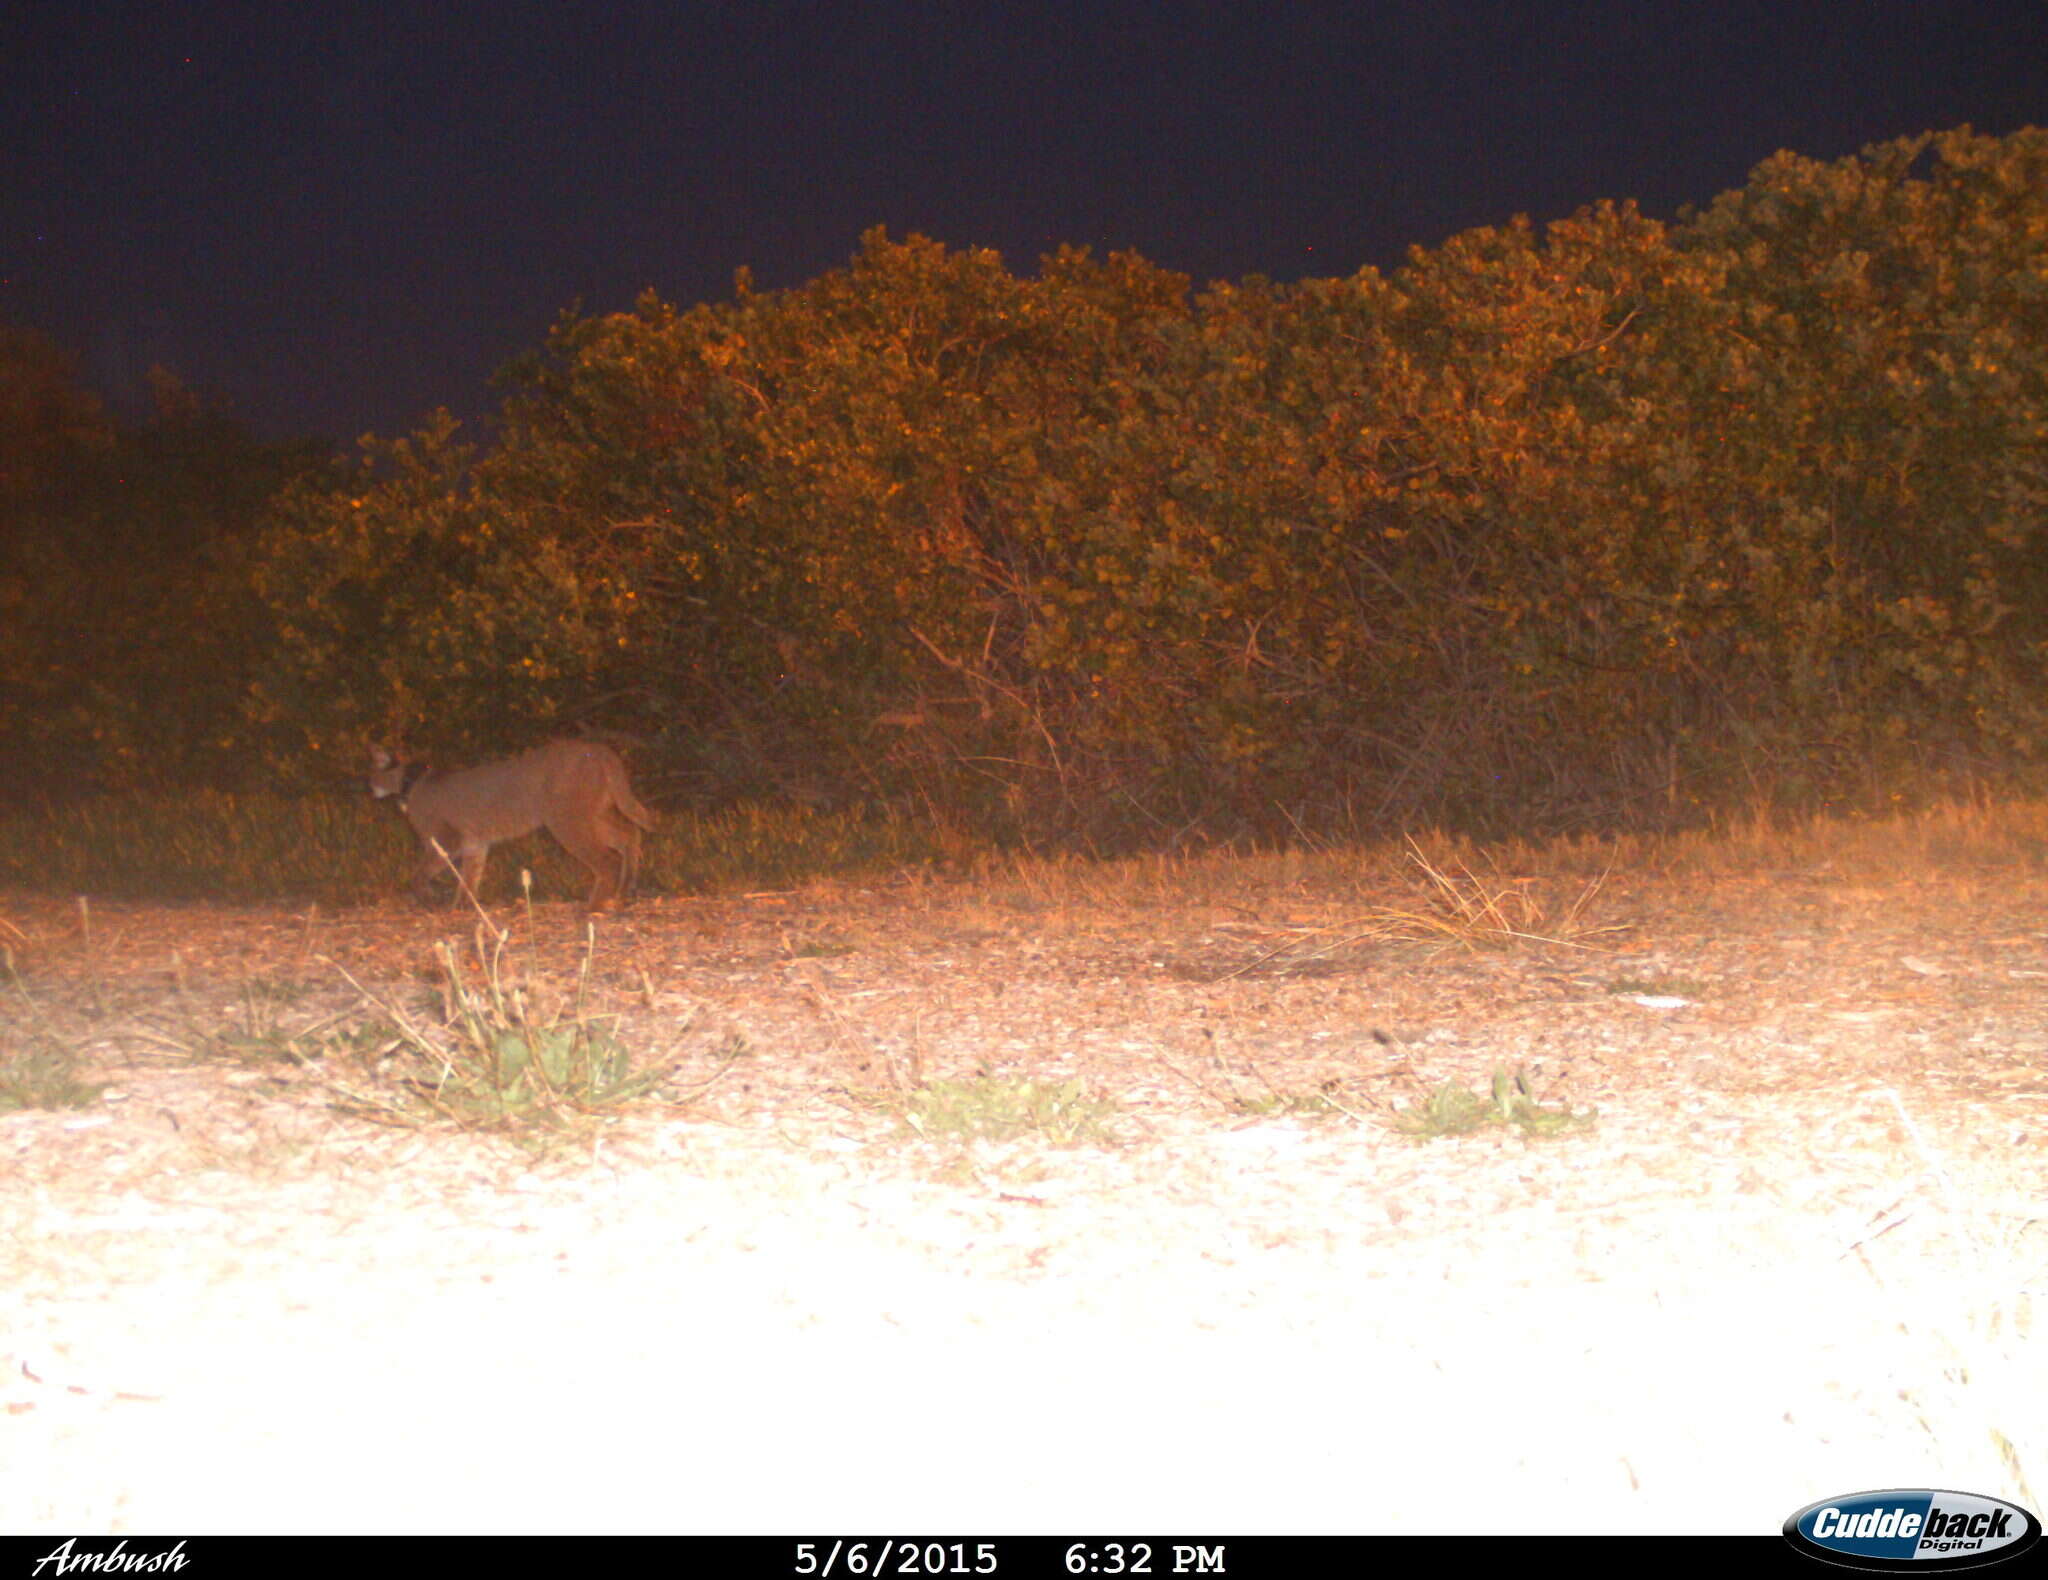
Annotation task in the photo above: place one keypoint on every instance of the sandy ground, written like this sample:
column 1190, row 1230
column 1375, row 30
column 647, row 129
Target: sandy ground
column 1798, row 1252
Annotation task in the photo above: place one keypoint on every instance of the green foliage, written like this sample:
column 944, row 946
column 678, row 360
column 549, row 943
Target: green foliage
column 1612, row 522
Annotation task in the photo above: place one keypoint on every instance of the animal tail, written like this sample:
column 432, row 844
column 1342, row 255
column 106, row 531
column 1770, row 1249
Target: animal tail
column 629, row 804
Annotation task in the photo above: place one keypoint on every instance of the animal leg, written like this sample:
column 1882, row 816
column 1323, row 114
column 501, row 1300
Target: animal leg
column 431, row 866
column 624, row 837
column 472, row 864
column 588, row 842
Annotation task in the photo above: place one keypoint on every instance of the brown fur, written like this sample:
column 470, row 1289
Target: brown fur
column 577, row 790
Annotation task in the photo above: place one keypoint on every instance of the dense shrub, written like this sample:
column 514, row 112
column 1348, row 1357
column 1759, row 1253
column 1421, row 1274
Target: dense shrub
column 1613, row 521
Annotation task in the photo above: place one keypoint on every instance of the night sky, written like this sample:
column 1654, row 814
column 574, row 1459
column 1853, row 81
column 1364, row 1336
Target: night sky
column 335, row 219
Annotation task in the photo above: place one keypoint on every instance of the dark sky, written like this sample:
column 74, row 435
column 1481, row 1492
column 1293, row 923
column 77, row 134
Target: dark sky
column 336, row 218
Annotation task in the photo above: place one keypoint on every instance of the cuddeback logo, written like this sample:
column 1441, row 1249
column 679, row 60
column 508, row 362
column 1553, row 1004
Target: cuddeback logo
column 1912, row 1528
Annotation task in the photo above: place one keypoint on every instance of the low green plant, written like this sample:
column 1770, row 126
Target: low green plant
column 1253, row 1093
column 485, row 1056
column 992, row 1108
column 38, row 1067
column 40, row 1071
column 1451, row 1110
column 253, row 1029
column 1276, row 1105
column 1656, row 987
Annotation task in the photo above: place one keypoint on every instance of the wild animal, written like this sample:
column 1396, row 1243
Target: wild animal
column 577, row 790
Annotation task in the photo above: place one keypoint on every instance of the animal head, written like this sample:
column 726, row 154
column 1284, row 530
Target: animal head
column 390, row 775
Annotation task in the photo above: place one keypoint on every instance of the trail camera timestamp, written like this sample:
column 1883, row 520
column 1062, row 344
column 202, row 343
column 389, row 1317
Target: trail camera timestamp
column 1029, row 1558
column 827, row 1560
column 1138, row 1558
